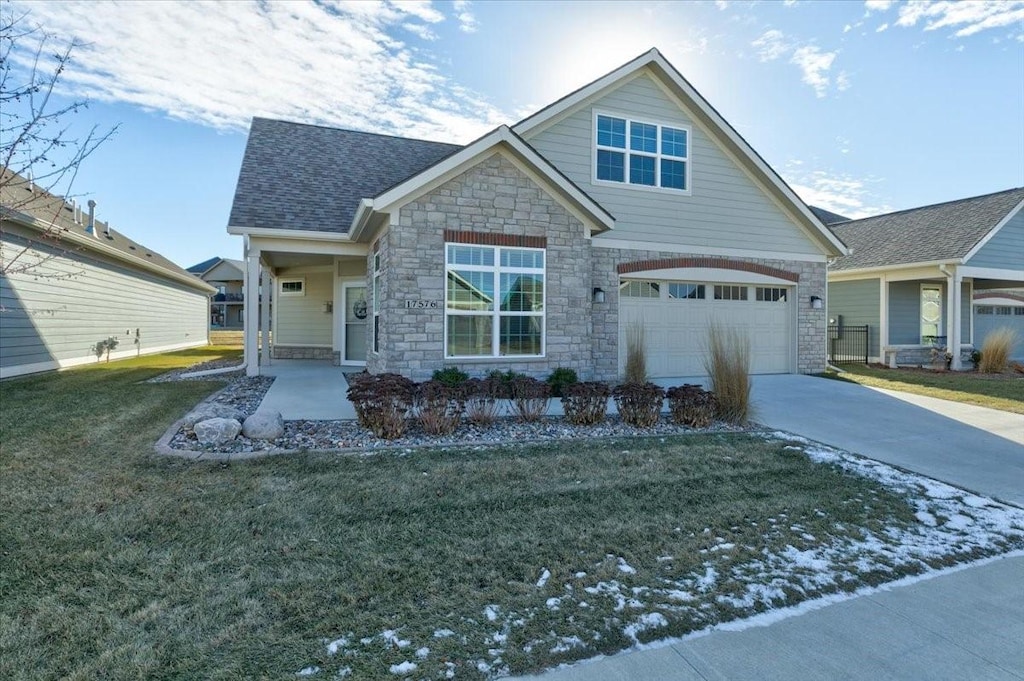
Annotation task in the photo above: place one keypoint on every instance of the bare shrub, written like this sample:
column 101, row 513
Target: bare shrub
column 639, row 404
column 382, row 402
column 585, row 404
column 727, row 363
column 636, row 354
column 530, row 398
column 439, row 406
column 482, row 397
column 691, row 405
column 995, row 351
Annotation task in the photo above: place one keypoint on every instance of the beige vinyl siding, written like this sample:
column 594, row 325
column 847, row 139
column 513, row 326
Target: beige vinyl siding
column 301, row 320
column 224, row 271
column 725, row 209
column 1006, row 249
column 54, row 314
column 859, row 303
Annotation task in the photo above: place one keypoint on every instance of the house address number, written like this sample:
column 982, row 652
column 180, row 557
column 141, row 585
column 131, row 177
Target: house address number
column 421, row 304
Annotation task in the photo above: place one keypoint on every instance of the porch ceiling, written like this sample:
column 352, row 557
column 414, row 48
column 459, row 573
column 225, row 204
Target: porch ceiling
column 277, row 259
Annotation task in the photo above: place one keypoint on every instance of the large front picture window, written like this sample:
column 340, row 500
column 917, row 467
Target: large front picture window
column 494, row 301
column 642, row 154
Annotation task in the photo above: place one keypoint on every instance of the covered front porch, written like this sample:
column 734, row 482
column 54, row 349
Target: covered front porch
column 318, row 289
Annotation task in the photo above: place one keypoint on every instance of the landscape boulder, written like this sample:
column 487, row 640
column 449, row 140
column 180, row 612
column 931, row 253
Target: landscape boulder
column 264, row 425
column 217, row 431
column 212, row 410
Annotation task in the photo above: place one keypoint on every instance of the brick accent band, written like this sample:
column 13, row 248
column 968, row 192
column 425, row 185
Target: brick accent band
column 715, row 263
column 999, row 294
column 454, row 236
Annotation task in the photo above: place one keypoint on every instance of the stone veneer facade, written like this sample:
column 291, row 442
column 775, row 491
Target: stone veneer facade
column 495, row 198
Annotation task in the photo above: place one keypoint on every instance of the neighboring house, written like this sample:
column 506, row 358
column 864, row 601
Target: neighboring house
column 629, row 201
column 1000, row 309
column 911, row 275
column 70, row 281
column 227, row 306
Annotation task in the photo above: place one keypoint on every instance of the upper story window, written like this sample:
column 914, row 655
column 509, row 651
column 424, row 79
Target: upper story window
column 642, row 153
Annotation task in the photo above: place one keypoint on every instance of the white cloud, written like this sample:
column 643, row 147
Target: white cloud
column 967, row 18
column 771, row 45
column 843, row 81
column 467, row 20
column 815, row 66
column 881, row 28
column 722, row 4
column 220, row 63
column 840, row 193
column 877, row 5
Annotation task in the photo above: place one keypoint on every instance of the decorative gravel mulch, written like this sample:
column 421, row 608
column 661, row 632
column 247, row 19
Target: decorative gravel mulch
column 177, row 374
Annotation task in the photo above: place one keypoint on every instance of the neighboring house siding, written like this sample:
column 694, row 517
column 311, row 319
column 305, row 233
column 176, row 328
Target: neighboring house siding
column 725, row 210
column 493, row 197
column 905, row 312
column 54, row 314
column 1006, row 249
column 858, row 302
column 301, row 320
column 965, row 313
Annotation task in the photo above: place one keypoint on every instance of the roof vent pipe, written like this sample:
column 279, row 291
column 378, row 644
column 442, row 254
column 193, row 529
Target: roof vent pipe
column 91, row 227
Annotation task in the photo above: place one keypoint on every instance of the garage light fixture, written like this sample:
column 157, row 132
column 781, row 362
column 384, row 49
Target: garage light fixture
column 598, row 295
column 816, row 302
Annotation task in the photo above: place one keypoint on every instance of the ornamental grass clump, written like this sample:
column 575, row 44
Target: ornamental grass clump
column 639, row 404
column 530, row 398
column 482, row 399
column 439, row 406
column 585, row 404
column 691, row 405
column 727, row 363
column 995, row 351
column 636, row 354
column 382, row 403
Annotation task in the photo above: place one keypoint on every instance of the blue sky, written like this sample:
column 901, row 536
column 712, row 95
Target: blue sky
column 863, row 107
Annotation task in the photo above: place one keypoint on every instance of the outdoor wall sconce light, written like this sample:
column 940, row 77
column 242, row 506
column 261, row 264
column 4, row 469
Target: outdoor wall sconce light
column 328, row 306
column 816, row 302
column 598, row 295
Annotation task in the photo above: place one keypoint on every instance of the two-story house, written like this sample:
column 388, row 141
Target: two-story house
column 227, row 305
column 628, row 203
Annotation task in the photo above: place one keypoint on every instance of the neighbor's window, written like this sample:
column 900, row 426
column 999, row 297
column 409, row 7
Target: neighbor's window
column 293, row 287
column 494, row 301
column 771, row 294
column 643, row 154
column 730, row 292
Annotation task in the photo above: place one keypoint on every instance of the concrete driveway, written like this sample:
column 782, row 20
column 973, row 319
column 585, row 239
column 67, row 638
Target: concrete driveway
column 973, row 447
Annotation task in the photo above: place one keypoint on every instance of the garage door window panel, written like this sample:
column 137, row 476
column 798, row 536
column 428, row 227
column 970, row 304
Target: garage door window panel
column 640, row 289
column 770, row 294
column 723, row 292
column 686, row 291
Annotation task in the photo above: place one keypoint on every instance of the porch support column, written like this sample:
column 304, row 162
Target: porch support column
column 954, row 282
column 265, row 289
column 883, row 317
column 252, row 310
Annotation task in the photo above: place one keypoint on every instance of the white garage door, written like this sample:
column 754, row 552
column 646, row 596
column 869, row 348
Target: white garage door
column 675, row 317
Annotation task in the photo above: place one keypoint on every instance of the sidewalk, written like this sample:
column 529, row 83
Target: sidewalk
column 967, row 624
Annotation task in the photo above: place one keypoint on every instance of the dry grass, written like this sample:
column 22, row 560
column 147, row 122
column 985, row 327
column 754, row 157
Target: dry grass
column 727, row 362
column 995, row 352
column 636, row 354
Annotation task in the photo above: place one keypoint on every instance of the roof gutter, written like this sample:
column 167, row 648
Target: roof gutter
column 905, row 266
column 361, row 219
column 310, row 234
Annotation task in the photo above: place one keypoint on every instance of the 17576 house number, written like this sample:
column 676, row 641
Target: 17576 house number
column 421, row 304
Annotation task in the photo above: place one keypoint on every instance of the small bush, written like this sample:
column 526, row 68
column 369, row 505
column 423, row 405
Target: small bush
column 482, row 395
column 504, row 379
column 439, row 406
column 691, row 405
column 530, row 397
column 995, row 351
column 451, row 376
column 585, row 404
column 728, row 365
column 358, row 382
column 639, row 403
column 975, row 359
column 559, row 379
column 636, row 354
column 382, row 403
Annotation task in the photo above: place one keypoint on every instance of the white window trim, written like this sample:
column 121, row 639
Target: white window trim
column 291, row 280
column 496, row 314
column 657, row 156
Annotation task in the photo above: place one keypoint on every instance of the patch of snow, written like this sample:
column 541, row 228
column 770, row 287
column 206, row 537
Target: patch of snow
column 334, row 646
column 344, row 672
column 553, row 603
column 544, row 577
column 567, row 643
column 391, row 636
column 403, row 668
column 308, row 671
column 449, row 672
column 443, row 633
column 491, row 612
column 499, row 637
column 664, row 559
column 423, row 652
column 958, row 522
column 707, row 582
column 651, row 620
column 926, row 518
column 723, row 547
column 625, row 567
column 580, row 575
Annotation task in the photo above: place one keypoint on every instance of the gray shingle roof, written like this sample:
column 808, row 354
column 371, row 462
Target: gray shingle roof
column 308, row 177
column 16, row 197
column 201, row 267
column 944, row 231
column 827, row 216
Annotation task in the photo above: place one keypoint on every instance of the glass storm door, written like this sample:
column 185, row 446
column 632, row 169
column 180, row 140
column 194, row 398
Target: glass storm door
column 355, row 323
column 931, row 313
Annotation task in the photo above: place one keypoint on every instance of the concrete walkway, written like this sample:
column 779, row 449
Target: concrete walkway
column 307, row 389
column 962, row 625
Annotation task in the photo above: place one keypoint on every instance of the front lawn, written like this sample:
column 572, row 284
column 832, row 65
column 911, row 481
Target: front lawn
column 1002, row 391
column 457, row 563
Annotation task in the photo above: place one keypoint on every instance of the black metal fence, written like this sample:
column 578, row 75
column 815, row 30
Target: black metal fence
column 848, row 344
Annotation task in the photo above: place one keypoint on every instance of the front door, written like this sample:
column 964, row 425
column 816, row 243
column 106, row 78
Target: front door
column 354, row 340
